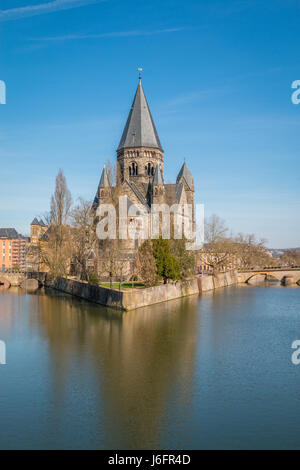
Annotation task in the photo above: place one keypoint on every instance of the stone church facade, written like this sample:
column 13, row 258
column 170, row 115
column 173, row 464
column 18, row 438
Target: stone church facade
column 140, row 171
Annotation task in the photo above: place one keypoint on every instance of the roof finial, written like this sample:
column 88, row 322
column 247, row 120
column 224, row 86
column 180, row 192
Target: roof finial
column 140, row 73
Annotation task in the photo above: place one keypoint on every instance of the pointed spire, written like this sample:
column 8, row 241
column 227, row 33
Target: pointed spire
column 104, row 180
column 158, row 179
column 35, row 222
column 187, row 175
column 140, row 129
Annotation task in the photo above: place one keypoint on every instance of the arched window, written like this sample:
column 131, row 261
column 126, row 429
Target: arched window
column 133, row 169
column 149, row 169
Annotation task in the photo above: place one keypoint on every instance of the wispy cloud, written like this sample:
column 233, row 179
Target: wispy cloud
column 114, row 34
column 43, row 8
column 230, row 8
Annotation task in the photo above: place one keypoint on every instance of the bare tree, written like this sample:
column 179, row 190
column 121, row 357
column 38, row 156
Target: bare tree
column 145, row 264
column 291, row 258
column 219, row 250
column 54, row 246
column 61, row 201
column 83, row 237
column 55, row 251
column 252, row 252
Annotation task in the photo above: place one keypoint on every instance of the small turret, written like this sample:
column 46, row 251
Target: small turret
column 104, row 185
column 187, row 176
column 158, row 186
column 104, row 180
column 35, row 222
column 157, row 179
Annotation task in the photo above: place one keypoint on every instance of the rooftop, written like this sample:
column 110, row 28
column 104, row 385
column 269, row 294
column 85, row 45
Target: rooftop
column 140, row 130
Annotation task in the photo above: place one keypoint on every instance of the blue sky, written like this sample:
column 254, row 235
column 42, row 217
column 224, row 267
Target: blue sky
column 217, row 75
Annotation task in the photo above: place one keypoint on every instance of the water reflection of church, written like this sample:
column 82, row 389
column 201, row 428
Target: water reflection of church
column 141, row 359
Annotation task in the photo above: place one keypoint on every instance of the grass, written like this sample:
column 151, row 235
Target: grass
column 125, row 285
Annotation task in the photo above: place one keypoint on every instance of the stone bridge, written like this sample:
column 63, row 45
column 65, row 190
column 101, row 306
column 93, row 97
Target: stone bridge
column 11, row 279
column 286, row 276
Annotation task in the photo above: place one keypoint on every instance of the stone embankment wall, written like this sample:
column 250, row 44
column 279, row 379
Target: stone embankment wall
column 135, row 298
column 124, row 300
column 207, row 283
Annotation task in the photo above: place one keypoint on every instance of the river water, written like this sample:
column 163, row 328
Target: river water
column 197, row 373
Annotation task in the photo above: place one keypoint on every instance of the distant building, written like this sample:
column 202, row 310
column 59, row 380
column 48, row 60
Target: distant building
column 13, row 249
column 37, row 230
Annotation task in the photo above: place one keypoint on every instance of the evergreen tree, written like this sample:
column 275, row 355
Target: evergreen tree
column 167, row 265
column 185, row 258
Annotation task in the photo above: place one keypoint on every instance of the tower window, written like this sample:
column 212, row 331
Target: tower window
column 149, row 169
column 133, row 169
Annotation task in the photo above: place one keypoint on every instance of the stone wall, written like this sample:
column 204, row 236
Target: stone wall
column 124, row 300
column 207, row 283
column 135, row 298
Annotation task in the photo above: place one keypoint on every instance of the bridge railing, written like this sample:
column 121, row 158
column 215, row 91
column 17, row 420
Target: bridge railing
column 271, row 268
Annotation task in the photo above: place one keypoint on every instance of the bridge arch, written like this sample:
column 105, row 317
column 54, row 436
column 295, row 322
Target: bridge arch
column 263, row 273
column 4, row 283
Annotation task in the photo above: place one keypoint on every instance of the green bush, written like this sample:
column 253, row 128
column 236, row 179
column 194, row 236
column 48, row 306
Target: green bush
column 93, row 279
column 167, row 265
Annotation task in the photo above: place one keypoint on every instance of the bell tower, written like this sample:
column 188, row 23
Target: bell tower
column 140, row 150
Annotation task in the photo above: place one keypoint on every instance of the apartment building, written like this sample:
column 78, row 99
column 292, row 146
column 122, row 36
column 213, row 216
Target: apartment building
column 12, row 249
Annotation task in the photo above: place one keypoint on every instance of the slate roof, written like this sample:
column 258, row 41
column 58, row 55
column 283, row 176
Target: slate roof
column 187, row 175
column 9, row 233
column 35, row 222
column 140, row 130
column 104, row 183
column 158, row 179
column 104, row 180
column 138, row 193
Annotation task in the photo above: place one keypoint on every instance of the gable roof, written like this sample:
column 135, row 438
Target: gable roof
column 140, row 130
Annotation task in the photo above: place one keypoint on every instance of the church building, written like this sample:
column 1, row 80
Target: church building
column 140, row 169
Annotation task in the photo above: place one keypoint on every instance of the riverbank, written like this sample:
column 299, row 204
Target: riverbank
column 131, row 299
